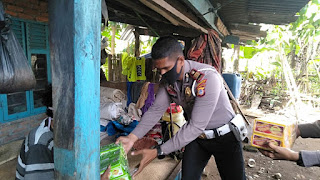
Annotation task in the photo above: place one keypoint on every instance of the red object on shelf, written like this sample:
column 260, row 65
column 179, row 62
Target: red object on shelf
column 175, row 108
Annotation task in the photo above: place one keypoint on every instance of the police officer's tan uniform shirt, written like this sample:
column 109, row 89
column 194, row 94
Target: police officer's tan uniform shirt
column 209, row 111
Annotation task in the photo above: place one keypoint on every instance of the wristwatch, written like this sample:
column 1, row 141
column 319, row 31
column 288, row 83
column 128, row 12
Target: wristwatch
column 300, row 161
column 160, row 153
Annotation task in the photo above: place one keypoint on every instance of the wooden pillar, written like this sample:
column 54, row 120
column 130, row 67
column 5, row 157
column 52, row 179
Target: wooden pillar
column 187, row 45
column 110, row 67
column 137, row 43
column 75, row 57
column 236, row 58
column 117, row 72
column 113, row 37
column 123, row 78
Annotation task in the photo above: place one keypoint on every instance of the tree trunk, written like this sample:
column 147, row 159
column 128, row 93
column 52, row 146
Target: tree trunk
column 316, row 68
column 113, row 42
column 303, row 60
column 290, row 82
column 293, row 58
column 236, row 58
column 137, row 44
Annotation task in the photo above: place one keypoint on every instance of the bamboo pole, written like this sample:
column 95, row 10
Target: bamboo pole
column 123, row 78
column 117, row 70
column 110, row 71
column 291, row 84
column 137, row 44
column 113, row 41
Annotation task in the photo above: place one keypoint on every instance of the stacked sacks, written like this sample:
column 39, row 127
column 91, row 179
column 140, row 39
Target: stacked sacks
column 111, row 94
column 115, row 156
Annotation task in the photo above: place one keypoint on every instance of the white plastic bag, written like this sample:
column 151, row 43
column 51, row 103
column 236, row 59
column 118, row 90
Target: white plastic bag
column 110, row 110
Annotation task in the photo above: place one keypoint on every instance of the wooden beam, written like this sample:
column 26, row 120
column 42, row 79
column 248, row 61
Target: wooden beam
column 247, row 31
column 148, row 32
column 142, row 31
column 184, row 9
column 122, row 14
column 175, row 12
column 164, row 13
column 141, row 9
column 201, row 8
column 221, row 27
column 243, row 33
column 245, row 28
column 175, row 172
column 160, row 27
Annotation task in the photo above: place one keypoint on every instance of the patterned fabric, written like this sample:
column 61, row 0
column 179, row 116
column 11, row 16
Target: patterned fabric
column 207, row 49
column 150, row 99
column 35, row 160
column 143, row 95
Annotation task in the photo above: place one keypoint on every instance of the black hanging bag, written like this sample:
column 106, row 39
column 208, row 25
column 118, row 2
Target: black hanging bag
column 15, row 72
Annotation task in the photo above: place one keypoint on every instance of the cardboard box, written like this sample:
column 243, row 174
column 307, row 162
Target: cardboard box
column 280, row 131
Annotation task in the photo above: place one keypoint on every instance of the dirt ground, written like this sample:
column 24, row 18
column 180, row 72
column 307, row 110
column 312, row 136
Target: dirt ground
column 288, row 170
column 266, row 168
column 8, row 170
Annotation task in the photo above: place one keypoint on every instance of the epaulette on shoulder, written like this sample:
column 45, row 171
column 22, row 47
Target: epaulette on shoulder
column 196, row 75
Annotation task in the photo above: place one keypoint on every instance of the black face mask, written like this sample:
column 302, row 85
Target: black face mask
column 172, row 76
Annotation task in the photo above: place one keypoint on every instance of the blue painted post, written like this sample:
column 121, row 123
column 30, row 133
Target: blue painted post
column 75, row 57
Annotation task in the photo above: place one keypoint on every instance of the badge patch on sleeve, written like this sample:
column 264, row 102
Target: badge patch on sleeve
column 201, row 88
column 201, row 92
column 196, row 75
column 202, row 83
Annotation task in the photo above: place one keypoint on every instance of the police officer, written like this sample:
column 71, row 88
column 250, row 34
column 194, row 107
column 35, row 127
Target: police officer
column 199, row 89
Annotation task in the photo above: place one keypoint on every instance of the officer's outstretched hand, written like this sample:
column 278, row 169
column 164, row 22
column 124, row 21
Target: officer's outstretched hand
column 127, row 141
column 147, row 156
column 280, row 153
column 106, row 174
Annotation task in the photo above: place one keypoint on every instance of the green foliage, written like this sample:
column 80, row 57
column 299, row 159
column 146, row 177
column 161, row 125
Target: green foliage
column 147, row 45
column 130, row 49
column 248, row 52
column 277, row 89
column 107, row 32
column 298, row 40
column 260, row 74
column 104, row 68
column 314, row 79
column 276, row 64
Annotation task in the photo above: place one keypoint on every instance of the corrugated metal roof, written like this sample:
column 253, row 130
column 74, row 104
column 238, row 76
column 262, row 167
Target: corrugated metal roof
column 259, row 11
column 237, row 14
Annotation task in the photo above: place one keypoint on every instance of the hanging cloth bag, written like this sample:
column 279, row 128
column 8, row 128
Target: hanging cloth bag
column 15, row 72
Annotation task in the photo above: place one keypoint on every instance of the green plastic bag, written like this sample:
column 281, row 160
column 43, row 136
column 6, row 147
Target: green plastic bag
column 115, row 156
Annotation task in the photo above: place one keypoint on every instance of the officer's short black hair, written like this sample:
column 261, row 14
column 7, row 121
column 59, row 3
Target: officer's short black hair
column 47, row 99
column 166, row 47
